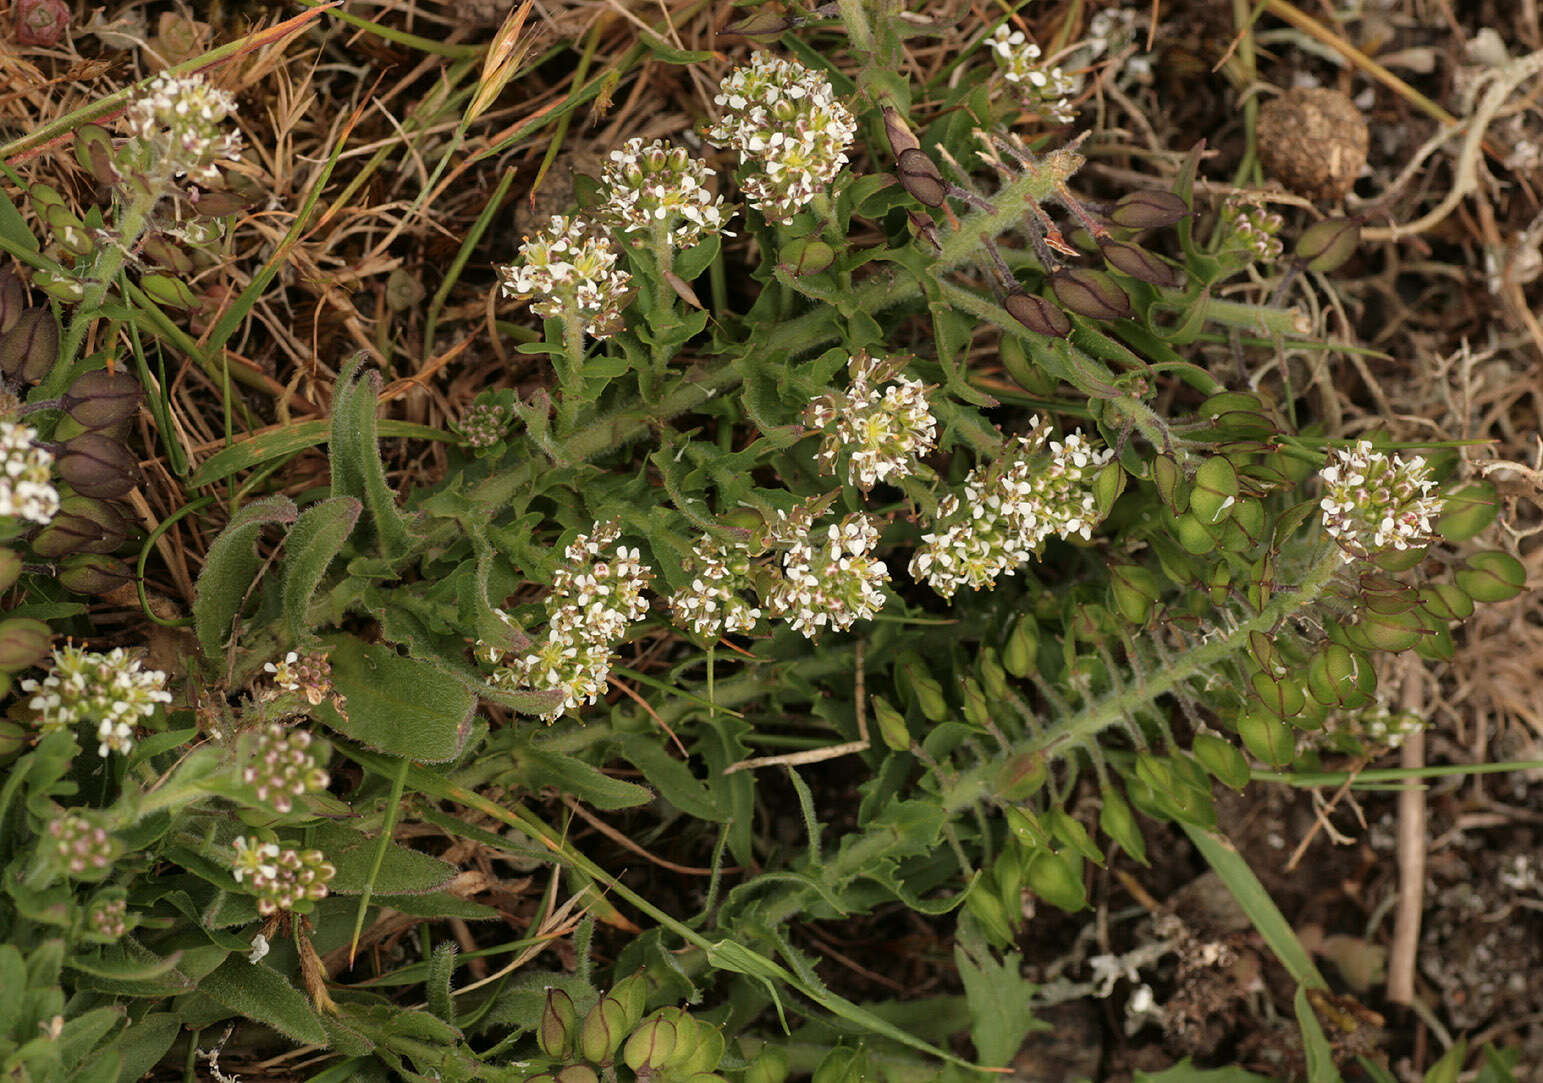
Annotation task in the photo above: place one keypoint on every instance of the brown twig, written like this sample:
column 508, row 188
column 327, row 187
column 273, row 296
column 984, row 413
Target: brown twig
column 1411, row 852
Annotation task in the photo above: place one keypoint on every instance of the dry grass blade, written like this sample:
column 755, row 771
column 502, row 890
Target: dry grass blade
column 506, row 53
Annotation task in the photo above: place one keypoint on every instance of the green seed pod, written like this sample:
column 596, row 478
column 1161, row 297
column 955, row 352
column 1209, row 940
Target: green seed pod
column 98, row 466
column 1248, row 515
column 1133, row 260
column 13, row 735
column 650, row 1044
column 1339, row 677
column 577, row 1073
column 1436, row 645
column 805, row 256
column 632, row 994
column 1267, row 737
column 62, row 286
column 929, row 694
column 1171, row 483
column 30, row 348
column 93, row 573
column 1491, row 576
column 1055, row 878
column 1222, row 759
column 1193, row 535
column 985, row 902
column 1070, row 831
column 1007, row 871
column 1148, row 209
column 1090, row 293
column 1134, row 591
column 1022, row 646
column 1116, row 820
column 769, row 1064
column 1325, row 246
column 891, row 723
column 992, row 675
column 558, row 1025
column 1281, row 698
column 1392, row 632
column 13, row 300
column 94, row 152
column 601, row 1033
column 841, row 1065
column 1108, row 484
column 100, row 398
column 919, row 176
column 10, row 568
column 1400, row 560
column 1446, row 602
column 1468, row 512
column 69, row 232
column 1215, row 490
column 1026, row 828
column 24, row 643
column 698, row 1054
column 1020, row 776
column 976, row 710
column 1037, row 314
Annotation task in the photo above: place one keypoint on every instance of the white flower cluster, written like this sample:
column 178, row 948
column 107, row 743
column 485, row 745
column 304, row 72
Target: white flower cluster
column 569, row 267
column 281, row 877
column 1008, row 510
column 790, row 131
column 25, row 489
column 1046, row 90
column 884, row 432
column 714, row 603
column 107, row 690
column 655, row 187
column 833, row 582
column 282, row 767
column 308, row 674
column 1374, row 502
column 595, row 596
column 1254, row 228
column 1374, row 729
column 178, row 123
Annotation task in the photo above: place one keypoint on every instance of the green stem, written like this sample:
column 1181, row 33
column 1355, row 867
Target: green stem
column 571, row 373
column 1080, row 729
column 858, row 29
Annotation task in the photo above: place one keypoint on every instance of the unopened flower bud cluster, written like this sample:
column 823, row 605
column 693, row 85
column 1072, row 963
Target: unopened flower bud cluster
column 790, row 131
column 178, row 123
column 884, row 432
column 282, row 767
column 309, row 674
column 484, row 424
column 1008, row 510
column 654, row 186
column 109, row 691
column 1044, row 88
column 84, row 848
column 108, row 916
column 715, row 603
column 596, row 595
column 26, row 490
column 1374, row 502
column 281, row 878
column 569, row 267
column 830, row 579
column 1253, row 228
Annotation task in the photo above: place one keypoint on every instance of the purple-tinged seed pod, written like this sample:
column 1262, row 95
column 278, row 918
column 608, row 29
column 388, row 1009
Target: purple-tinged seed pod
column 1037, row 314
column 98, row 466
column 1133, row 260
column 1090, row 293
column 1148, row 209
column 100, row 399
column 30, row 348
column 919, row 175
column 13, row 300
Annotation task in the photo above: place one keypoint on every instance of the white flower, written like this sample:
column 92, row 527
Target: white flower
column 259, row 950
column 714, row 603
column 1373, row 502
column 884, row 433
column 26, row 491
column 568, row 267
column 653, row 186
column 790, row 131
column 831, row 582
column 178, row 124
column 1043, row 89
column 108, row 690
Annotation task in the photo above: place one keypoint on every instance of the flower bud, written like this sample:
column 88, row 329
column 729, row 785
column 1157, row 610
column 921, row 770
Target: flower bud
column 559, row 1020
column 1140, row 264
column 1090, row 293
column 24, row 643
column 604, row 1027
column 13, row 300
column 924, row 686
column 1326, row 245
column 1037, row 314
column 1056, row 878
column 805, row 256
column 98, row 466
column 1491, row 577
column 919, row 175
column 30, row 348
column 100, row 398
column 891, row 723
column 1148, row 209
column 651, row 1044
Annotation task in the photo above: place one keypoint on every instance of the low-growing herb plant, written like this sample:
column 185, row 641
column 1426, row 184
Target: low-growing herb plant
column 931, row 481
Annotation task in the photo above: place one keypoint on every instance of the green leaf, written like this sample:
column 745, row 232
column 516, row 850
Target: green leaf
column 397, row 705
column 673, row 778
column 230, row 569
column 310, row 548
column 1320, row 1057
column 144, row 1044
column 354, row 451
column 1184, row 1072
column 261, row 994
column 539, row 767
column 402, row 871
column 1000, row 1000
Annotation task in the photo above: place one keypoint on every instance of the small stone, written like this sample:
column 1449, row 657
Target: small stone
column 1314, row 142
